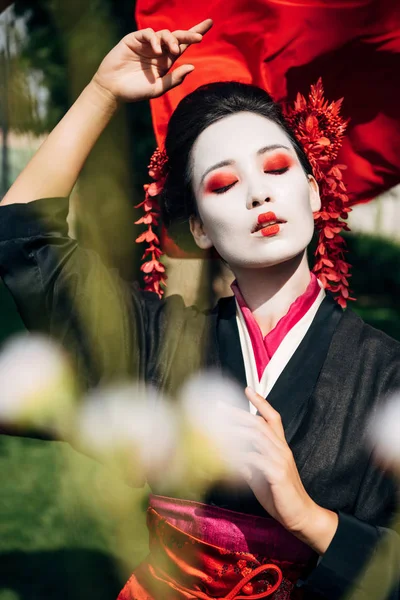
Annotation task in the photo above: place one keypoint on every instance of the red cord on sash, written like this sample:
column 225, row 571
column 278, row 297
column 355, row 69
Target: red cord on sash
column 247, row 587
column 244, row 585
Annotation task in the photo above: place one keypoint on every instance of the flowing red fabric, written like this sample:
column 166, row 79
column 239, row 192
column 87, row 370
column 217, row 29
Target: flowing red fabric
column 182, row 566
column 284, row 46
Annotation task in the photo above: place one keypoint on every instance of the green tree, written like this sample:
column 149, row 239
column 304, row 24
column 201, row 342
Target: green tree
column 18, row 104
column 65, row 42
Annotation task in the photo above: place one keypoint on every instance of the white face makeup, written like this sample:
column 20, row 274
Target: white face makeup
column 245, row 166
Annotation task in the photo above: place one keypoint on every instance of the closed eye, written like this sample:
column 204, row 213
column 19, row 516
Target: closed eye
column 277, row 171
column 277, row 164
column 224, row 189
column 221, row 183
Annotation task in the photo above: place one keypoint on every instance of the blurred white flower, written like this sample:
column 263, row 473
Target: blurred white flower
column 204, row 397
column 37, row 387
column 128, row 423
column 384, row 433
column 210, row 441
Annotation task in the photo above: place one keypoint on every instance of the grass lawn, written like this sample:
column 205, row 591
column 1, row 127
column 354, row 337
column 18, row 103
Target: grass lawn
column 69, row 528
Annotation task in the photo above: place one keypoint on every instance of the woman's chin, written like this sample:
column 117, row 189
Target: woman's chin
column 261, row 263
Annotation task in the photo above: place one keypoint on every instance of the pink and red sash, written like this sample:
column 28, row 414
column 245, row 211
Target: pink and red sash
column 205, row 552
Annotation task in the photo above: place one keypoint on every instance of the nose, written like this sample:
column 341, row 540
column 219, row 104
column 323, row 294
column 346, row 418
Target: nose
column 258, row 194
column 254, row 202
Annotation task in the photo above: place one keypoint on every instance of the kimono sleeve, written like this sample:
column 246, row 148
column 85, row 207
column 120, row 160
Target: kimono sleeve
column 363, row 559
column 362, row 562
column 65, row 291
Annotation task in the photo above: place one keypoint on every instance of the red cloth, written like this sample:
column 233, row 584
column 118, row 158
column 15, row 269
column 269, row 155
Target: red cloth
column 232, row 530
column 286, row 45
column 264, row 347
column 182, row 566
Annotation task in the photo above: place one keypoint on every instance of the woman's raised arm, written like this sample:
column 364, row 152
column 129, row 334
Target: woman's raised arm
column 137, row 68
column 60, row 288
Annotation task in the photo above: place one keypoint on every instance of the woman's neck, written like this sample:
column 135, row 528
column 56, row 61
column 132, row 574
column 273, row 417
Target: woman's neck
column 270, row 292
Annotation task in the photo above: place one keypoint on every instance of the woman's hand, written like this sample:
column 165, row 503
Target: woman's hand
column 269, row 468
column 136, row 69
column 139, row 66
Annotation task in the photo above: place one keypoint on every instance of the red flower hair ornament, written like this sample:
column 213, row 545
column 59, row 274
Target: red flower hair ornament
column 154, row 271
column 320, row 129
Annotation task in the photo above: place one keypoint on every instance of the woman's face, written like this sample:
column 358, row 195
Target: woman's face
column 255, row 202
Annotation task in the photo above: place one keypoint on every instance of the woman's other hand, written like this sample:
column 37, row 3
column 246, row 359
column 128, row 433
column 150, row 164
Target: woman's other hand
column 139, row 67
column 270, row 470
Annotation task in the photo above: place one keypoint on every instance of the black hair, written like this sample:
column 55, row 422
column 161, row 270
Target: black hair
column 195, row 112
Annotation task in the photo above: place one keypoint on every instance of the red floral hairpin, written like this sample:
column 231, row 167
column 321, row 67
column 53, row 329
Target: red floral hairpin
column 154, row 271
column 320, row 128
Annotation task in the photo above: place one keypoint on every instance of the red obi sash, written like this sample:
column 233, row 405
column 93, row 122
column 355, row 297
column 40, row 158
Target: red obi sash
column 181, row 565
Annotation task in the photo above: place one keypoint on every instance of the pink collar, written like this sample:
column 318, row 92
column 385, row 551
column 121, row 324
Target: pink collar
column 265, row 347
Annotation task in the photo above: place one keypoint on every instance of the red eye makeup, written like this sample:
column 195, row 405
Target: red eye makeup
column 220, row 181
column 278, row 162
column 275, row 163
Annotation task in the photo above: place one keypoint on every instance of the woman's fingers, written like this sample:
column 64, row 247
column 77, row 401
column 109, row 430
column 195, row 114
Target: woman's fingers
column 272, row 417
column 185, row 38
column 169, row 40
column 201, row 28
column 246, row 419
column 146, row 35
column 155, row 53
column 171, row 79
column 178, row 41
column 175, row 42
column 263, row 441
column 238, row 415
column 260, row 468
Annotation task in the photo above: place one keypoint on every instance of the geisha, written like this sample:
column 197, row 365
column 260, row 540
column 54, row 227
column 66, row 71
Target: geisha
column 314, row 505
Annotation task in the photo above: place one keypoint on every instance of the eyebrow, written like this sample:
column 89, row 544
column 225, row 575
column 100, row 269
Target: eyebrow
column 227, row 163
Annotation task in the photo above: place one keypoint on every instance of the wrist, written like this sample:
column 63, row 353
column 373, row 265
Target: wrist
column 318, row 530
column 101, row 98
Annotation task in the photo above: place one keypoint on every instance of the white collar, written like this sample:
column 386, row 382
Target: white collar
column 283, row 353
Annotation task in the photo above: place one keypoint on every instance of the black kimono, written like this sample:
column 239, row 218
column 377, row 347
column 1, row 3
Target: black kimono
column 340, row 373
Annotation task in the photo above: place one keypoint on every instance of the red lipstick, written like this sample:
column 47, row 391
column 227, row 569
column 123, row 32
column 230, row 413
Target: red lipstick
column 268, row 224
column 266, row 218
column 270, row 230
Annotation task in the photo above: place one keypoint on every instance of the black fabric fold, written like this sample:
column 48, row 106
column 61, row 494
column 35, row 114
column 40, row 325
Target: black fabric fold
column 228, row 341
column 34, row 218
column 297, row 381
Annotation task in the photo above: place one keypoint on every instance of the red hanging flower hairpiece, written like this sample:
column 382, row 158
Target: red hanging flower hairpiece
column 320, row 128
column 154, row 271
